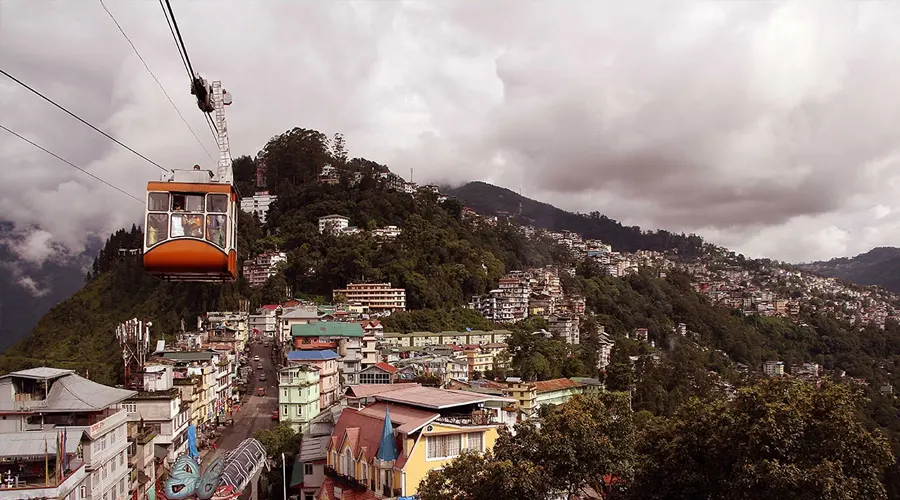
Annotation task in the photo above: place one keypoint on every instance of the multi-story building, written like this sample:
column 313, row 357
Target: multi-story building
column 195, row 375
column 421, row 339
column 51, row 399
column 259, row 269
column 566, row 328
column 265, row 322
column 375, row 297
column 298, row 395
column 773, row 368
column 258, row 204
column 388, row 447
column 334, row 224
column 326, row 361
column 158, row 405
column 298, row 315
column 506, row 304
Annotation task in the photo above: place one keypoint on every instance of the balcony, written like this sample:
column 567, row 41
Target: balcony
column 347, row 482
column 477, row 417
column 39, row 489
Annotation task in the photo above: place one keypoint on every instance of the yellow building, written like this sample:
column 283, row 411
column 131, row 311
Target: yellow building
column 390, row 446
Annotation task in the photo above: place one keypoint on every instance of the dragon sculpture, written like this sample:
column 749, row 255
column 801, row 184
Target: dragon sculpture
column 224, row 479
column 185, row 481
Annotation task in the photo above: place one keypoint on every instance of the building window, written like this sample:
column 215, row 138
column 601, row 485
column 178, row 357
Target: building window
column 474, row 441
column 307, row 469
column 82, row 491
column 299, row 410
column 442, row 446
column 284, row 410
column 130, row 407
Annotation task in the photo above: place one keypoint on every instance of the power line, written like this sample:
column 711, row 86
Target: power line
column 156, row 79
column 60, row 158
column 82, row 120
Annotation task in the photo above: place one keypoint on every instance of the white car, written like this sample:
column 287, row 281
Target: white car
column 256, row 358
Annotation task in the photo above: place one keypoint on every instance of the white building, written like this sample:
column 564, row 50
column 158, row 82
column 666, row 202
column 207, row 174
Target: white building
column 773, row 368
column 159, row 406
column 333, row 223
column 387, row 232
column 374, row 297
column 45, row 399
column 264, row 322
column 258, row 204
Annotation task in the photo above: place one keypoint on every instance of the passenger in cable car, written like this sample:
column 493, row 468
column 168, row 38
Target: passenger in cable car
column 193, row 225
column 215, row 230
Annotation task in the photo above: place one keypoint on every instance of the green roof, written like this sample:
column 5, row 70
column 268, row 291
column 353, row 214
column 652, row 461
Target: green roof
column 327, row 329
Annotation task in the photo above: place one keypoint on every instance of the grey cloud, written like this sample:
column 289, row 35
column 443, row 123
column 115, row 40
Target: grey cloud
column 747, row 122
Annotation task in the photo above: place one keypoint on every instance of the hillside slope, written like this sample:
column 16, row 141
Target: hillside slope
column 486, row 198
column 879, row 266
column 21, row 309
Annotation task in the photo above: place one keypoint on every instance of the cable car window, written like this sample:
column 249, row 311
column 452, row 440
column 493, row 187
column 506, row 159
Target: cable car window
column 187, row 202
column 217, row 203
column 187, row 225
column 157, row 228
column 158, row 202
column 216, row 230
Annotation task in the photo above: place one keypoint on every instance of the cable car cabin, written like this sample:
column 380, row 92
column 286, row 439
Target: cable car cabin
column 191, row 228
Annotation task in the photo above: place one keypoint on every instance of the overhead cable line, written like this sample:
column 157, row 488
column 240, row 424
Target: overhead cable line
column 138, row 54
column 82, row 120
column 60, row 158
column 179, row 40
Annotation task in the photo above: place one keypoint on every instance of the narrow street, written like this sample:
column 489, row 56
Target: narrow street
column 256, row 412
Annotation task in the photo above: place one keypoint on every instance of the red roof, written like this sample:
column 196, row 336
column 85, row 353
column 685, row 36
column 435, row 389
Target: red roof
column 327, row 492
column 270, row 307
column 386, row 367
column 555, row 385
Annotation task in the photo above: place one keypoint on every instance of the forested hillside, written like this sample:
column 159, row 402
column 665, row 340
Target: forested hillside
column 442, row 259
column 879, row 266
column 486, row 198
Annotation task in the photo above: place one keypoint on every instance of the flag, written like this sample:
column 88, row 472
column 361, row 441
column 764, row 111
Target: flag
column 46, row 463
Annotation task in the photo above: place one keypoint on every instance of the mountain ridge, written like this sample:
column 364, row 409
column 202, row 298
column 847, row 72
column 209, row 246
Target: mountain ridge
column 879, row 266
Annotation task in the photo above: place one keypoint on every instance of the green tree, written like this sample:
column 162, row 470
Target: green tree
column 583, row 443
column 280, row 439
column 779, row 439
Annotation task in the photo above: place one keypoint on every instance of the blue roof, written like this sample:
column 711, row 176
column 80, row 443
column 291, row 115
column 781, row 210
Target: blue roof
column 387, row 449
column 312, row 355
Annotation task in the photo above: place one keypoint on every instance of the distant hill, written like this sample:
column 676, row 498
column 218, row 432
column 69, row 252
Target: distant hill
column 879, row 266
column 486, row 198
column 20, row 310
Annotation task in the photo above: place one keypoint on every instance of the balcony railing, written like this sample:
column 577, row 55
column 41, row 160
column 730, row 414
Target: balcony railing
column 478, row 417
column 348, row 482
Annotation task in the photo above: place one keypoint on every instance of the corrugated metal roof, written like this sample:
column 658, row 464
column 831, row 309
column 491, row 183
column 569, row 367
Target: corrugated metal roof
column 42, row 373
column 429, row 397
column 75, row 393
column 327, row 329
column 312, row 355
column 31, row 443
column 313, row 448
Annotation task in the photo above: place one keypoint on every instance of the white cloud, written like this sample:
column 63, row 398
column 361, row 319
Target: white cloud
column 769, row 127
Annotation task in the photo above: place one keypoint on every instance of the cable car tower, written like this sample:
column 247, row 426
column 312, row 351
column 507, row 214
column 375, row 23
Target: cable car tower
column 191, row 216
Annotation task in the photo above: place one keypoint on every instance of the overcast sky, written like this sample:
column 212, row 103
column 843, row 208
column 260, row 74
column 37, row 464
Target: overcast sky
column 771, row 128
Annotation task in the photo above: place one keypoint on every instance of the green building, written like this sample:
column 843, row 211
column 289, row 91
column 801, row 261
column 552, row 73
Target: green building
column 298, row 395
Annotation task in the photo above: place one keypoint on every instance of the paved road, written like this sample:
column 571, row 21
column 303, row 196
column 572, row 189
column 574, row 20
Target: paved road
column 256, row 412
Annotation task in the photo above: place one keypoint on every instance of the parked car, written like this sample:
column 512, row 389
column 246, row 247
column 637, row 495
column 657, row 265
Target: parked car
column 260, row 391
column 275, row 415
column 259, row 367
column 256, row 358
column 262, row 377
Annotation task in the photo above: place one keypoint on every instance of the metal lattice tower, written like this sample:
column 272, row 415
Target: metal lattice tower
column 220, row 100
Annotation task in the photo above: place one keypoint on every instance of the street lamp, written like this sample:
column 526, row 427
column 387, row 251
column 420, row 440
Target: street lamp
column 284, row 477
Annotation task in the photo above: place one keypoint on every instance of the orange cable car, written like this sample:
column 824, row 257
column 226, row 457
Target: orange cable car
column 191, row 228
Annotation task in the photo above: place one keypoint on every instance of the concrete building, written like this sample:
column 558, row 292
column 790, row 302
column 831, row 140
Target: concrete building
column 47, row 399
column 258, row 204
column 326, row 361
column 262, row 267
column 374, row 297
column 298, row 395
column 335, row 224
column 158, row 405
